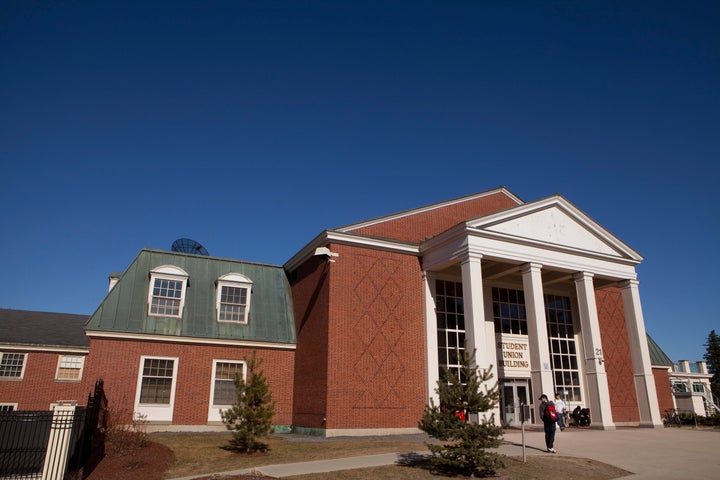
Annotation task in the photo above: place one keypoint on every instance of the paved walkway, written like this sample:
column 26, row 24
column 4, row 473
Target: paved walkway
column 661, row 453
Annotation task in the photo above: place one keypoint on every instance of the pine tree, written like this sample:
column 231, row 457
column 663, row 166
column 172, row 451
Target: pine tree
column 252, row 414
column 465, row 442
column 712, row 357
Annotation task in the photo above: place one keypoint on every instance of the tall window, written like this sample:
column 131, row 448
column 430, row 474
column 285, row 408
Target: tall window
column 167, row 291
column 509, row 311
column 12, row 365
column 157, row 380
column 233, row 298
column 70, row 367
column 224, row 382
column 561, row 337
column 450, row 324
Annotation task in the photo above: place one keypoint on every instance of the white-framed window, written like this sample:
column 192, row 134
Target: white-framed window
column 224, row 372
column 70, row 367
column 563, row 350
column 12, row 365
column 166, row 296
column 509, row 311
column 698, row 387
column 680, row 387
column 8, row 407
column 450, row 313
column 233, row 298
column 156, row 384
column 222, row 392
column 157, row 381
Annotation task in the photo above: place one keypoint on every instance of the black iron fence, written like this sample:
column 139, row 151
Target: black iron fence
column 55, row 443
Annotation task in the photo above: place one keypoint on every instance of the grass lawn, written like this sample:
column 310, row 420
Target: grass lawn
column 197, row 454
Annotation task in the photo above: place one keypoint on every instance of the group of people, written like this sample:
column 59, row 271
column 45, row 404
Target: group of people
column 549, row 420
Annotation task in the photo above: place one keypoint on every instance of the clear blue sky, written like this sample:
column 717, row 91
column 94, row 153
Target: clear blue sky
column 253, row 126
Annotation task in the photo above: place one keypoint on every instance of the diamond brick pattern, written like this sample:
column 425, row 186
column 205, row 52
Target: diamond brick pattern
column 377, row 333
column 616, row 351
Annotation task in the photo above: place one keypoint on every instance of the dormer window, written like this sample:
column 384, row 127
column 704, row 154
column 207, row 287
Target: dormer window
column 166, row 297
column 233, row 298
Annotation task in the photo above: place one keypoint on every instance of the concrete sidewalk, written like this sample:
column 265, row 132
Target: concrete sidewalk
column 667, row 453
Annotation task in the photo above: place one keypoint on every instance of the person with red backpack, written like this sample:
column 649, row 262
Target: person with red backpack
column 549, row 416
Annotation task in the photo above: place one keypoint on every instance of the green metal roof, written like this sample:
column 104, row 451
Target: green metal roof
column 125, row 308
column 657, row 356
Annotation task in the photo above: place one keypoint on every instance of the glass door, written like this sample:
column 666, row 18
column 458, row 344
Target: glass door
column 514, row 393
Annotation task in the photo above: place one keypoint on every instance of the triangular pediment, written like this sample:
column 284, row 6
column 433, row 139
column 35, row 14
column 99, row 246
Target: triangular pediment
column 555, row 221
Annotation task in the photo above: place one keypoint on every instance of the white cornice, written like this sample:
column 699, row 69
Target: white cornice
column 560, row 202
column 45, row 348
column 336, row 237
column 191, row 340
column 427, row 208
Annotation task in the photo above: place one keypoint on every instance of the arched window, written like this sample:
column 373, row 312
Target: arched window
column 166, row 297
column 233, row 298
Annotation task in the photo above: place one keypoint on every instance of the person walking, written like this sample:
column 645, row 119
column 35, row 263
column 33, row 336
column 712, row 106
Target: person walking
column 548, row 422
column 560, row 407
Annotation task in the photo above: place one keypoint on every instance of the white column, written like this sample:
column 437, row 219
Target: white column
column 476, row 336
column 642, row 369
column 56, row 456
column 598, row 392
column 540, row 366
column 431, row 342
column 474, row 309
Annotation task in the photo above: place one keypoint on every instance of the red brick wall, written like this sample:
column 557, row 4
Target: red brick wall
column 310, row 291
column 118, row 363
column 616, row 352
column 416, row 227
column 38, row 388
column 377, row 365
column 663, row 388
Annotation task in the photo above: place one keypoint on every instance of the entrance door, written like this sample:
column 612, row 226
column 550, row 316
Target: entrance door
column 514, row 393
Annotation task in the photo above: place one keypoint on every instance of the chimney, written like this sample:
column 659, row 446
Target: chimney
column 702, row 367
column 684, row 366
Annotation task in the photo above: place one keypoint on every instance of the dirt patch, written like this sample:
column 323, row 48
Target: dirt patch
column 146, row 463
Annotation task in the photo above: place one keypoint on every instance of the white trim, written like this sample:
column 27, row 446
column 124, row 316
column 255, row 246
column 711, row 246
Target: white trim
column 46, row 349
column 80, row 370
column 156, row 412
column 193, row 340
column 214, row 411
column 233, row 280
column 428, row 208
column 559, row 202
column 342, row 238
column 22, row 370
column 8, row 404
column 167, row 272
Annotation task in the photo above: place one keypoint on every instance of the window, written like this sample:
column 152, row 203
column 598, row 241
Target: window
column 167, row 291
column 450, row 325
column 509, row 311
column 233, row 298
column 12, row 365
column 680, row 387
column 223, row 393
column 563, row 351
column 698, row 388
column 157, row 381
column 70, row 367
column 8, row 407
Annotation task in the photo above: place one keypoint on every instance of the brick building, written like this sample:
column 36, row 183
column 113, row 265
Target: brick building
column 356, row 328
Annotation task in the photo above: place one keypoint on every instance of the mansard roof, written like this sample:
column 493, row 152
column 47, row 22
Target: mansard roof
column 42, row 329
column 125, row 308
